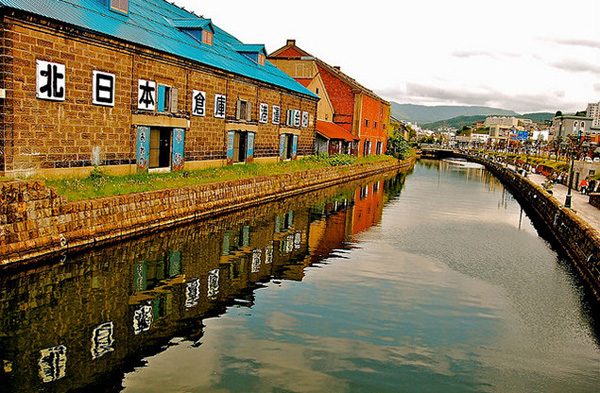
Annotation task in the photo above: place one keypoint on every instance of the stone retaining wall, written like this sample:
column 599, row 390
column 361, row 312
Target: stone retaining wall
column 575, row 237
column 36, row 221
column 595, row 199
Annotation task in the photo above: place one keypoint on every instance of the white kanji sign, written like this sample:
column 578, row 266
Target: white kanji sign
column 103, row 88
column 198, row 103
column 264, row 113
column 276, row 114
column 146, row 95
column 297, row 115
column 304, row 119
column 220, row 105
column 50, row 81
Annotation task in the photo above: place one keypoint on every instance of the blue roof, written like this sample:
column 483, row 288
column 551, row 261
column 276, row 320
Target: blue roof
column 160, row 25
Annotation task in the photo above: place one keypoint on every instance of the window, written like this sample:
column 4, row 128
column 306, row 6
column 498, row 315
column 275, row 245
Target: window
column 166, row 100
column 207, row 37
column 120, row 6
column 366, row 123
column 374, row 124
column 243, row 110
column 261, row 59
column 317, row 91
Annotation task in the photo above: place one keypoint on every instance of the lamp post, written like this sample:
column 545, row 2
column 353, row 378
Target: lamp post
column 572, row 155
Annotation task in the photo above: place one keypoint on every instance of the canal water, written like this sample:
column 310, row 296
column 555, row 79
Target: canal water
column 431, row 281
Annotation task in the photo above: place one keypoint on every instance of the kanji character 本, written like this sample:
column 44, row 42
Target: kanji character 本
column 198, row 103
column 50, row 81
column 146, row 95
column 220, row 102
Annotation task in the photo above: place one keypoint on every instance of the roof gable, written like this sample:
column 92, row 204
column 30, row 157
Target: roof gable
column 159, row 25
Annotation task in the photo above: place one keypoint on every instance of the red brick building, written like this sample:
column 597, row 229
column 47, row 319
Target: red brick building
column 344, row 101
column 138, row 85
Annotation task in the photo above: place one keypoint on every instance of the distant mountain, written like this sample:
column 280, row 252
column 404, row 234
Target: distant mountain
column 460, row 121
column 428, row 114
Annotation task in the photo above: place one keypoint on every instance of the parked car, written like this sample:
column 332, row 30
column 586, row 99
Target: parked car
column 588, row 159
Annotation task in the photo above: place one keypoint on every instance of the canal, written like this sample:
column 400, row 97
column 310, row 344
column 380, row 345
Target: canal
column 431, row 281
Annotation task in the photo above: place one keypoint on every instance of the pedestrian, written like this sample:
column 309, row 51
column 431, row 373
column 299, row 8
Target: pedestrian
column 583, row 186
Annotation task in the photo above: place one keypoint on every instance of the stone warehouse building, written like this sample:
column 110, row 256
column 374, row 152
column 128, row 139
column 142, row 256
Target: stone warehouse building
column 352, row 118
column 139, row 83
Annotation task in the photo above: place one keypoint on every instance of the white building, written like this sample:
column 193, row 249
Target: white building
column 593, row 111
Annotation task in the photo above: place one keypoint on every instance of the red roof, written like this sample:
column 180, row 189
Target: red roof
column 304, row 81
column 333, row 131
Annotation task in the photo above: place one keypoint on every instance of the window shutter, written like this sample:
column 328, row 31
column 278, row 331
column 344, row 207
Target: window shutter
column 282, row 146
column 238, row 106
column 160, row 99
column 173, row 103
column 250, row 148
column 230, row 142
column 248, row 111
column 143, row 147
column 178, row 150
column 294, row 146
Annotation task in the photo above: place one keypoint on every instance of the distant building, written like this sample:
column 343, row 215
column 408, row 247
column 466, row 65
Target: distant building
column 501, row 126
column 593, row 111
column 565, row 125
column 344, row 102
column 139, row 85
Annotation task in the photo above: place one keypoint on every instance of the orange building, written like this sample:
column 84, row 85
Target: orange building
column 344, row 102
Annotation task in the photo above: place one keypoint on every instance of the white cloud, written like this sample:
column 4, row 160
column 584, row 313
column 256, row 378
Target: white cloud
column 516, row 54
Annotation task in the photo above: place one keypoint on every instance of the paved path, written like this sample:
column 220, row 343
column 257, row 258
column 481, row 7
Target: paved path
column 579, row 203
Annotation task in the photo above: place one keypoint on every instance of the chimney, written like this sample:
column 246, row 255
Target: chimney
column 291, row 42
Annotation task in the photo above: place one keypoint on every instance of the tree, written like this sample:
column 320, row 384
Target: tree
column 398, row 147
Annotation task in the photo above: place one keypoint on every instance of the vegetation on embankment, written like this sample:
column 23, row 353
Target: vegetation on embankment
column 100, row 184
column 559, row 166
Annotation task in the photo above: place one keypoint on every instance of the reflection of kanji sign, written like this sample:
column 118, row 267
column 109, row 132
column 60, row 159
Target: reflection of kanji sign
column 213, row 283
column 102, row 340
column 50, row 81
column 103, row 88
column 192, row 293
column 256, row 256
column 304, row 119
column 276, row 114
column 198, row 103
column 264, row 113
column 220, row 105
column 146, row 95
column 269, row 254
column 53, row 363
column 142, row 319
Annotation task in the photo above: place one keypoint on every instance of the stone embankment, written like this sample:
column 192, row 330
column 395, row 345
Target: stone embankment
column 35, row 221
column 575, row 237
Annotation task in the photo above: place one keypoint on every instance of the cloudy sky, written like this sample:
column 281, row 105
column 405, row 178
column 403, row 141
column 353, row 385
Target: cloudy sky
column 524, row 55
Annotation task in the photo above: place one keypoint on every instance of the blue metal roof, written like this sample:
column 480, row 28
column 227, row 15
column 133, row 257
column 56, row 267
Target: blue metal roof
column 158, row 24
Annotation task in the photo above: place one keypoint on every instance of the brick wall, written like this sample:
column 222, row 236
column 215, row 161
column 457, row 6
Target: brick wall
column 35, row 221
column 377, row 113
column 341, row 96
column 42, row 134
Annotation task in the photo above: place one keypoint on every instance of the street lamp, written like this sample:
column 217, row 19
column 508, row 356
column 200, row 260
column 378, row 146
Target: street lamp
column 572, row 151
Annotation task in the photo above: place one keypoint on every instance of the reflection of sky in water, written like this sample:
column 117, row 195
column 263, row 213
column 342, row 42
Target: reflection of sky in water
column 446, row 294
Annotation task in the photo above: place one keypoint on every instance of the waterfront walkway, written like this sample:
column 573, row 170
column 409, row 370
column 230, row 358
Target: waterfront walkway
column 579, row 202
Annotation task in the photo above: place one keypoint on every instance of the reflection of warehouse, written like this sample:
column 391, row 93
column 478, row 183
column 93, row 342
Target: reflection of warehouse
column 139, row 83
column 83, row 321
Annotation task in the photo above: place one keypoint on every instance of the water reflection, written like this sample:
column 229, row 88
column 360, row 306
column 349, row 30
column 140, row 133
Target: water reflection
column 82, row 321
